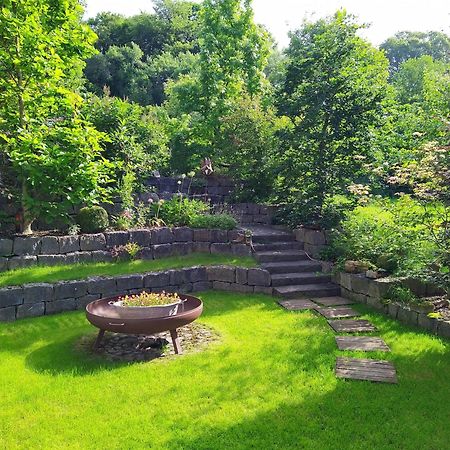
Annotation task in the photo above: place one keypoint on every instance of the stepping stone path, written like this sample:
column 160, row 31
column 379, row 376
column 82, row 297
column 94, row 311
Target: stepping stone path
column 298, row 305
column 338, row 312
column 333, row 301
column 299, row 280
column 351, row 326
column 361, row 343
column 366, row 369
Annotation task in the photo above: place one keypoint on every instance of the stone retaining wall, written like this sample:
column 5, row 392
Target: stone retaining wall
column 155, row 243
column 359, row 288
column 38, row 299
column 249, row 213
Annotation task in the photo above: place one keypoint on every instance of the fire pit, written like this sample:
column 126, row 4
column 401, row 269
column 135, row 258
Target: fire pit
column 108, row 317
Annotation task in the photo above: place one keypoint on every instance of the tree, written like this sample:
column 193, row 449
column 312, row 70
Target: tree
column 407, row 44
column 333, row 92
column 41, row 49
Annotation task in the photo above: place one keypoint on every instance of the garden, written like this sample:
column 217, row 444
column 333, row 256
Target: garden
column 210, row 242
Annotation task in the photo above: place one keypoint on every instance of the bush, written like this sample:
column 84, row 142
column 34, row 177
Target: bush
column 179, row 211
column 93, row 219
column 392, row 235
column 220, row 221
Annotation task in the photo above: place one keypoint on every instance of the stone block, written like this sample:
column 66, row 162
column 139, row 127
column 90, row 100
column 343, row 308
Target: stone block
column 6, row 247
column 234, row 234
column 69, row 244
column 241, row 250
column 202, row 235
column 70, row 289
column 162, row 236
column 181, row 248
column 37, row 292
column 146, row 253
column 142, row 237
column 186, row 288
column 314, row 237
column 11, row 296
column 263, row 290
column 66, row 304
column 346, row 280
column 91, row 242
column 73, row 258
column 403, row 315
column 360, row 284
column 220, row 248
column 82, row 302
column 242, row 288
column 116, row 238
column 221, row 286
column 183, row 234
column 157, row 279
column 27, row 246
column 30, row 310
column 195, row 274
column 218, row 236
column 413, row 317
column 101, row 256
column 127, row 282
column 51, row 260
column 259, row 277
column 299, row 234
column 443, row 328
column 8, row 314
column 100, row 285
column 50, row 245
column 428, row 323
column 3, row 264
column 373, row 302
column 379, row 288
column 201, row 247
column 221, row 273
column 162, row 251
column 241, row 275
column 393, row 310
column 18, row 262
column 86, row 257
column 201, row 286
column 177, row 277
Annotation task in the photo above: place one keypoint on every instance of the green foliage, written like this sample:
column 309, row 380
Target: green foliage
column 92, row 219
column 54, row 155
column 401, row 294
column 407, row 44
column 137, row 137
column 179, row 211
column 212, row 221
column 334, row 88
column 392, row 235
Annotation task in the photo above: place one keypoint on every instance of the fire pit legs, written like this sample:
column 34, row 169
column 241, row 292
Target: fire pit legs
column 100, row 335
column 176, row 342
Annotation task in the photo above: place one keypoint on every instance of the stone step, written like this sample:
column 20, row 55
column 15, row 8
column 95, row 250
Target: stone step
column 281, row 256
column 276, row 236
column 291, row 245
column 292, row 266
column 308, row 290
column 287, row 279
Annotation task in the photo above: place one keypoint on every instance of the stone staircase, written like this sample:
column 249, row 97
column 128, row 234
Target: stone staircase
column 294, row 274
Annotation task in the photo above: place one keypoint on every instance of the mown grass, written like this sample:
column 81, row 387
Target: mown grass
column 50, row 274
column 268, row 384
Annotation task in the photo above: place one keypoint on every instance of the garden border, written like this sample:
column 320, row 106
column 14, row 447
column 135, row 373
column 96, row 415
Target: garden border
column 39, row 299
column 155, row 243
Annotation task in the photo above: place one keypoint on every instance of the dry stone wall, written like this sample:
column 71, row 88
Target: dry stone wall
column 38, row 299
column 155, row 243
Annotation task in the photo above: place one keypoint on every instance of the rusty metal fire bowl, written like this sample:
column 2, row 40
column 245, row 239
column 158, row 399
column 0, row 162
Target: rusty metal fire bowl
column 142, row 320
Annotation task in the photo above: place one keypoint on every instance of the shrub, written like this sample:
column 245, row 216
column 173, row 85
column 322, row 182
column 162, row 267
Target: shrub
column 220, row 221
column 179, row 211
column 389, row 234
column 92, row 219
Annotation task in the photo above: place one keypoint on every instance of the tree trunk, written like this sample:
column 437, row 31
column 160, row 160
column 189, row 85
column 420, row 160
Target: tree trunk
column 27, row 218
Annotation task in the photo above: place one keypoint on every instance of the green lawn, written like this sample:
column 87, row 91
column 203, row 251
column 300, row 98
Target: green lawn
column 268, row 384
column 51, row 274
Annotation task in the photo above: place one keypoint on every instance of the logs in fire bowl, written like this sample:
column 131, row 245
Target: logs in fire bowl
column 147, row 320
